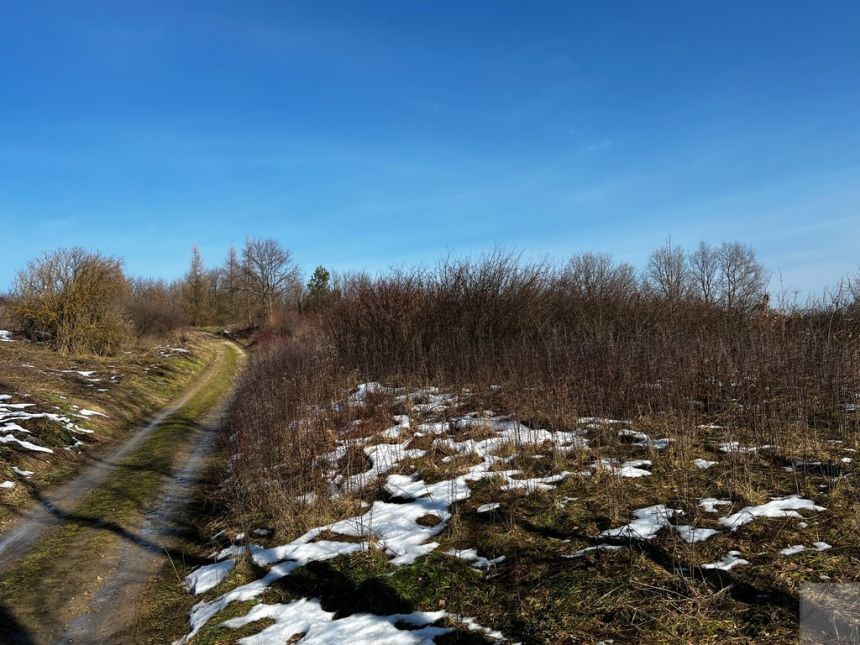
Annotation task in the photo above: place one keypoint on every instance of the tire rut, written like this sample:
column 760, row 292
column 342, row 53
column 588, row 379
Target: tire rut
column 103, row 606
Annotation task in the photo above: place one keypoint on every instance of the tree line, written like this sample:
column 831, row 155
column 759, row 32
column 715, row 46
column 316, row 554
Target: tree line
column 79, row 301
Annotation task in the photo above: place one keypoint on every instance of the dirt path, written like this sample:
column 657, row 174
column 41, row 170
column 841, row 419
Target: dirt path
column 72, row 568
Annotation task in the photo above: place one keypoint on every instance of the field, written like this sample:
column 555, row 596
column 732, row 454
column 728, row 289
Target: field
column 538, row 468
column 615, row 529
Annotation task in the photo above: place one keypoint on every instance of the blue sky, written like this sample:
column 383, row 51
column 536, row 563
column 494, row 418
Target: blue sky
column 369, row 134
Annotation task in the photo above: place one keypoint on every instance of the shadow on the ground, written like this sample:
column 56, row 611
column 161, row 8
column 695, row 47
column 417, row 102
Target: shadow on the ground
column 11, row 631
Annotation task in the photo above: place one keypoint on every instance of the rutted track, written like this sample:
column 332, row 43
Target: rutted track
column 115, row 576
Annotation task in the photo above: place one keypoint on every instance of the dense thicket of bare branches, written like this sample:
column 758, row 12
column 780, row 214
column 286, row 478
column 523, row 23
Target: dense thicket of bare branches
column 75, row 300
column 593, row 336
column 691, row 341
column 154, row 306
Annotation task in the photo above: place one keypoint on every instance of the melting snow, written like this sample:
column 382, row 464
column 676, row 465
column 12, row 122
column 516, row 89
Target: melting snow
column 691, row 534
column 731, row 560
column 644, row 441
column 7, row 485
column 10, row 413
column 208, row 576
column 87, row 375
column 307, row 620
column 589, row 549
column 792, row 550
column 5, row 336
column 394, row 527
column 633, row 434
column 777, row 507
column 703, row 464
column 709, row 504
column 631, row 468
column 363, row 391
column 477, row 561
column 648, row 522
column 400, row 529
column 511, row 433
column 734, row 446
column 383, row 457
column 90, row 413
column 24, row 444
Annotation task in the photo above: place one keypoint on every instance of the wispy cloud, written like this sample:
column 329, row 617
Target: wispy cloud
column 599, row 146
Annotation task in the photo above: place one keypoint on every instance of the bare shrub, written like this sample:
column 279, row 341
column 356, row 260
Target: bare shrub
column 6, row 307
column 587, row 339
column 278, row 430
column 154, row 307
column 74, row 300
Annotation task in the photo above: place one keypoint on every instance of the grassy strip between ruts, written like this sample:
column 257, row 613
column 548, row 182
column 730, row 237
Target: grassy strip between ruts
column 162, row 612
column 54, row 573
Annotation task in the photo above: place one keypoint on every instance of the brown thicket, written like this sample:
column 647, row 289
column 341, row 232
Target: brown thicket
column 155, row 306
column 693, row 340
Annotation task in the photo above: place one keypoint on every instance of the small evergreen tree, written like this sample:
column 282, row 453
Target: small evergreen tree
column 319, row 288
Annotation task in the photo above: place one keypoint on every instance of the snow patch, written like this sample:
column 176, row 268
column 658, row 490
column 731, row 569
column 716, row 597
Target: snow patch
column 647, row 523
column 208, row 576
column 24, row 444
column 692, row 534
column 471, row 555
column 704, row 464
column 589, row 549
column 792, row 550
column 307, row 620
column 709, row 504
column 731, row 560
column 777, row 507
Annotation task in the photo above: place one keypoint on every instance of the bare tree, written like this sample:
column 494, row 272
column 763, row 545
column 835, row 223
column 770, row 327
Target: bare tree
column 742, row 279
column 75, row 300
column 232, row 272
column 854, row 288
column 195, row 289
column 269, row 274
column 666, row 274
column 704, row 269
column 595, row 276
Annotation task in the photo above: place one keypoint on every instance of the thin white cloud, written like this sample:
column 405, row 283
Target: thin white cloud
column 599, row 146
